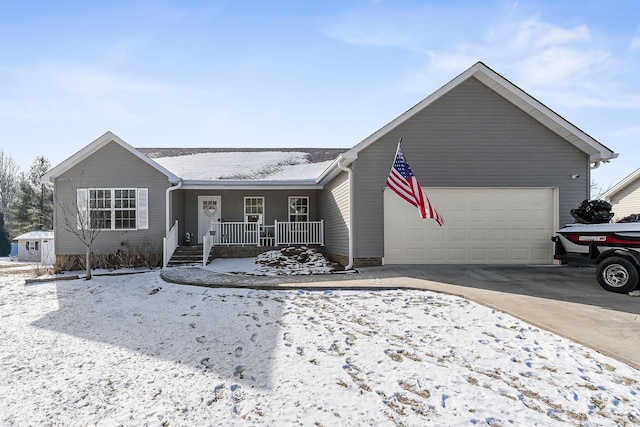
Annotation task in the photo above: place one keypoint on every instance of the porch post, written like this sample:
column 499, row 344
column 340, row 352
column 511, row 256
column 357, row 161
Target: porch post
column 322, row 232
column 276, row 238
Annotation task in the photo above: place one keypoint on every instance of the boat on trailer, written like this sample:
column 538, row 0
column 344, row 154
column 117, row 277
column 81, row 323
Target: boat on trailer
column 614, row 248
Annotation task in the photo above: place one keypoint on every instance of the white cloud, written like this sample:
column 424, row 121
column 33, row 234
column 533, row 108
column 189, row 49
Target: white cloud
column 562, row 66
column 94, row 81
column 557, row 64
column 533, row 34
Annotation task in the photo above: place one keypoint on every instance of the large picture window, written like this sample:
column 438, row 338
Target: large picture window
column 298, row 209
column 113, row 208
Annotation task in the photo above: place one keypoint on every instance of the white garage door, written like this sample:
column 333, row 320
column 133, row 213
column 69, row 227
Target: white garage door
column 482, row 226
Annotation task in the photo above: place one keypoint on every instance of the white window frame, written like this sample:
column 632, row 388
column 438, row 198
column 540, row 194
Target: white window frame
column 258, row 207
column 293, row 213
column 112, row 206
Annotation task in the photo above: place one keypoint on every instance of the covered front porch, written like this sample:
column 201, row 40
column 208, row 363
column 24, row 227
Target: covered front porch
column 266, row 218
column 245, row 234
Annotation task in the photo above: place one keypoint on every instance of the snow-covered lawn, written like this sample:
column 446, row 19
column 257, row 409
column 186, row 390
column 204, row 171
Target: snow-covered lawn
column 134, row 350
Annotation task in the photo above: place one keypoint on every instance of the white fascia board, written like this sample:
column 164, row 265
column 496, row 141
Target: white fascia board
column 96, row 145
column 333, row 170
column 251, row 185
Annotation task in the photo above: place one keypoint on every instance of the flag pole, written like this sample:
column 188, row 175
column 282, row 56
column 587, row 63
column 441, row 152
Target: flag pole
column 394, row 160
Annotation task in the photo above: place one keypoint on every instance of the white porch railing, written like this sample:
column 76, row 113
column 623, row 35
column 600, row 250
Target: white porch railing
column 235, row 233
column 299, row 233
column 281, row 233
column 169, row 244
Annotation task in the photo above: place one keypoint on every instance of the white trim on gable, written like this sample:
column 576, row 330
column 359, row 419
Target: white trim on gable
column 630, row 179
column 96, row 145
column 596, row 151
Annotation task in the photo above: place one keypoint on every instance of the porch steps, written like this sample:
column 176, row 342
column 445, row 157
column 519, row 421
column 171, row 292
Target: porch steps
column 188, row 255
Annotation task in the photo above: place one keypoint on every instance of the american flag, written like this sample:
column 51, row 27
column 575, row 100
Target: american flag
column 402, row 181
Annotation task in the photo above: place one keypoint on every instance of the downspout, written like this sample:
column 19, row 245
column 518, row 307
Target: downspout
column 168, row 206
column 349, row 175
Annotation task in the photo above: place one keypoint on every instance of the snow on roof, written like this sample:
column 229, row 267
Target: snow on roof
column 246, row 165
column 35, row 235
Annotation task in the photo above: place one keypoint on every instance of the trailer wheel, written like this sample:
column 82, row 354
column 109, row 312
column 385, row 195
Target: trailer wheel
column 617, row 274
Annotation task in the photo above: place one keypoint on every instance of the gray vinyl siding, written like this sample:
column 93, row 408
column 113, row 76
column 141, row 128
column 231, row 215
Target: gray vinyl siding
column 626, row 201
column 111, row 167
column 177, row 210
column 335, row 210
column 470, row 137
column 232, row 205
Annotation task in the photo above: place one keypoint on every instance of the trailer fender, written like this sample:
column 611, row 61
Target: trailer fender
column 633, row 256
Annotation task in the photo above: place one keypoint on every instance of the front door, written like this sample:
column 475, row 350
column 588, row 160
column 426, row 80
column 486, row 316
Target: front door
column 208, row 210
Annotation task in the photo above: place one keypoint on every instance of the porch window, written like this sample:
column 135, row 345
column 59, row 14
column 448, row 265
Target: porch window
column 254, row 209
column 298, row 209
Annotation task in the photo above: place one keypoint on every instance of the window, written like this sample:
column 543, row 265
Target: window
column 100, row 208
column 254, row 209
column 113, row 208
column 298, row 209
column 125, row 209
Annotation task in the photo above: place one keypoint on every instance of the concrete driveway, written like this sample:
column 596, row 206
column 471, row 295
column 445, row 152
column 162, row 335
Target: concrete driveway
column 564, row 300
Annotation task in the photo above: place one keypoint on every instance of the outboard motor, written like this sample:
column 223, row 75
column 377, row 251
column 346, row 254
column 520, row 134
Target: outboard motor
column 593, row 212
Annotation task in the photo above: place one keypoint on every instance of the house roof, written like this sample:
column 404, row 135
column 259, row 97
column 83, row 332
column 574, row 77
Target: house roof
column 239, row 166
column 633, row 177
column 596, row 151
column 96, row 145
column 35, row 235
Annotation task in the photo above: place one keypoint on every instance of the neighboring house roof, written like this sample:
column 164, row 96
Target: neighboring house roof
column 633, row 177
column 97, row 145
column 35, row 235
column 596, row 151
column 240, row 166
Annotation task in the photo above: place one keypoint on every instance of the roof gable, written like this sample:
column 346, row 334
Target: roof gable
column 494, row 81
column 94, row 147
column 626, row 182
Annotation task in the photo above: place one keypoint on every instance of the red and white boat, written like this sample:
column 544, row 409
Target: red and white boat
column 613, row 247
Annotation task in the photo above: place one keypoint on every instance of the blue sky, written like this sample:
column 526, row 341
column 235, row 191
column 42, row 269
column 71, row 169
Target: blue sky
column 301, row 73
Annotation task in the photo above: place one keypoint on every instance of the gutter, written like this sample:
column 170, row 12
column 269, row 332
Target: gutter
column 168, row 205
column 349, row 172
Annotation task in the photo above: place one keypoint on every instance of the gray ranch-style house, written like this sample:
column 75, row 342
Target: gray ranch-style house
column 501, row 168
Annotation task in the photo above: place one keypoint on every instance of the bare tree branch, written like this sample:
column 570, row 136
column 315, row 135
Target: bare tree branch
column 76, row 219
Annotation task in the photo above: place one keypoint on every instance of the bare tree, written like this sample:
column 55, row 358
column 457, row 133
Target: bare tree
column 598, row 190
column 9, row 174
column 76, row 218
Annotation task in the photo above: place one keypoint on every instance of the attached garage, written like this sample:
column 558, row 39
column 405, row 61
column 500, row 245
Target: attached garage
column 482, row 226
